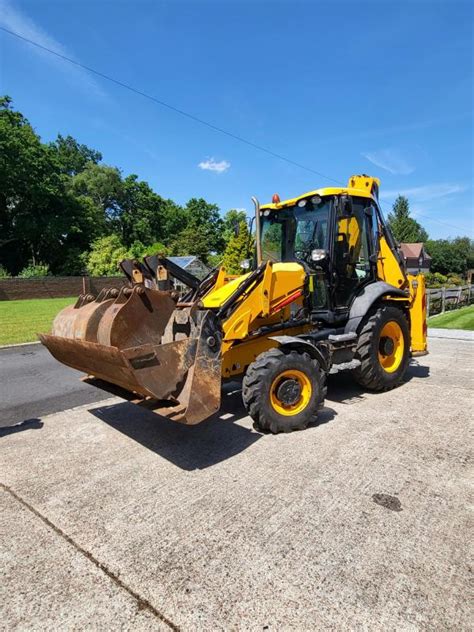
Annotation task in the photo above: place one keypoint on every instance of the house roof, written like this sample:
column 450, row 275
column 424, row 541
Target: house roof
column 183, row 262
column 414, row 251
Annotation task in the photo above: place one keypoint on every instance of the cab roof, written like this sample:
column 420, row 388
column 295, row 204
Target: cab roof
column 359, row 186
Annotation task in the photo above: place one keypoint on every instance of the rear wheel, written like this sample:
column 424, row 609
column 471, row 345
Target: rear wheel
column 283, row 391
column 383, row 349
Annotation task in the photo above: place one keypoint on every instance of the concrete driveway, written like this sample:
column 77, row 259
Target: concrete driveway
column 113, row 518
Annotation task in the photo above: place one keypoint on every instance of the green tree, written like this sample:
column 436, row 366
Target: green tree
column 33, row 271
column 105, row 255
column 202, row 231
column 138, row 250
column 102, row 186
column 36, row 211
column 73, row 262
column 451, row 256
column 72, row 156
column 193, row 240
column 141, row 215
column 174, row 220
column 402, row 225
column 57, row 200
column 205, row 219
column 215, row 260
column 232, row 219
column 238, row 248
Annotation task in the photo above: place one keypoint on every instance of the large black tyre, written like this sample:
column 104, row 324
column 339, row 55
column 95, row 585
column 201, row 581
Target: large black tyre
column 383, row 349
column 283, row 390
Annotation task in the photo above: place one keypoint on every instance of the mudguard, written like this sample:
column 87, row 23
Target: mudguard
column 364, row 301
column 293, row 342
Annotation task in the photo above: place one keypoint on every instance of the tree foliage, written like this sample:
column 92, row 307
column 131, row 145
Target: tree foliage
column 232, row 219
column 105, row 255
column 451, row 256
column 238, row 248
column 72, row 156
column 33, row 271
column 34, row 213
column 402, row 225
column 58, row 201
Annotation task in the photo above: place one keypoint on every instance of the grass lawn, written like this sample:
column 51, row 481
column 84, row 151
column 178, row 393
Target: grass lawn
column 458, row 319
column 20, row 321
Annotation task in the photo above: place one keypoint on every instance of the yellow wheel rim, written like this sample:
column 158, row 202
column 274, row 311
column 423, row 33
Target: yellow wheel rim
column 391, row 346
column 301, row 391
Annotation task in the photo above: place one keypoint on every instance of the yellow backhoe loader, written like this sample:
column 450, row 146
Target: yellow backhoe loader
column 328, row 291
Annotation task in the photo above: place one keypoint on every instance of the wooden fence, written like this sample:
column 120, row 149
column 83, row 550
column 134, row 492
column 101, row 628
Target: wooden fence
column 439, row 300
column 55, row 287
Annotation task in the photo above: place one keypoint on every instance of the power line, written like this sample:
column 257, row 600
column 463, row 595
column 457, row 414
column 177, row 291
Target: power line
column 433, row 219
column 427, row 217
column 201, row 121
column 192, row 117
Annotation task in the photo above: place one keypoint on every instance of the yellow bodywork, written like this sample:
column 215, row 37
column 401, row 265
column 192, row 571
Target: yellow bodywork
column 417, row 310
column 358, row 186
column 260, row 306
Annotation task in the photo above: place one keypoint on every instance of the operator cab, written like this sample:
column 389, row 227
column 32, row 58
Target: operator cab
column 334, row 235
column 293, row 232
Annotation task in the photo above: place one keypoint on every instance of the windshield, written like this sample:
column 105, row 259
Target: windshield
column 292, row 232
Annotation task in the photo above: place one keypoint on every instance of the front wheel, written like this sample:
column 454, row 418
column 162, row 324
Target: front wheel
column 283, row 391
column 383, row 349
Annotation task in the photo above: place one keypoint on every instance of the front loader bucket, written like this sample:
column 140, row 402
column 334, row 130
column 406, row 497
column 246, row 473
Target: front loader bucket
column 141, row 344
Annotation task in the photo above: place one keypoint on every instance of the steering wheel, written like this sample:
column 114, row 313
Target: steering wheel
column 303, row 255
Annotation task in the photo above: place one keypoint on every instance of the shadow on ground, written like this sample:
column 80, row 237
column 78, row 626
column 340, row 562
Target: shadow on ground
column 221, row 436
column 27, row 424
column 416, row 370
column 342, row 388
column 191, row 447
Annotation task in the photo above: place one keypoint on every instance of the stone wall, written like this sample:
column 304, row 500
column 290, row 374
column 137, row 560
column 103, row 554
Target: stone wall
column 55, row 287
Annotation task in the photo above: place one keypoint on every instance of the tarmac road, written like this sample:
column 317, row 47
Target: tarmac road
column 114, row 518
column 34, row 384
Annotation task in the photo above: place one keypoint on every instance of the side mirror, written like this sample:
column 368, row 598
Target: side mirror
column 345, row 208
column 319, row 255
column 245, row 264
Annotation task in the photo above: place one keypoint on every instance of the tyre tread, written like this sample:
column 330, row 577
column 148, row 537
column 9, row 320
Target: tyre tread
column 367, row 374
column 253, row 393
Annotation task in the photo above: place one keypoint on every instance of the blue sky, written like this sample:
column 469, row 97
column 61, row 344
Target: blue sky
column 383, row 88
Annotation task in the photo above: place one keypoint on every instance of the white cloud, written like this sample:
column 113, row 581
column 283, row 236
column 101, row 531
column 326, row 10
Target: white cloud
column 211, row 165
column 14, row 20
column 426, row 192
column 391, row 160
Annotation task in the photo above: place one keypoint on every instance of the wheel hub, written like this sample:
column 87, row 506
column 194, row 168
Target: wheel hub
column 386, row 346
column 289, row 392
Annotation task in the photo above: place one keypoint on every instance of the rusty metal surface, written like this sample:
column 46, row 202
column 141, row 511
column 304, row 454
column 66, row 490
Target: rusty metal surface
column 106, row 363
column 82, row 319
column 150, row 370
column 137, row 318
column 200, row 395
column 137, row 340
